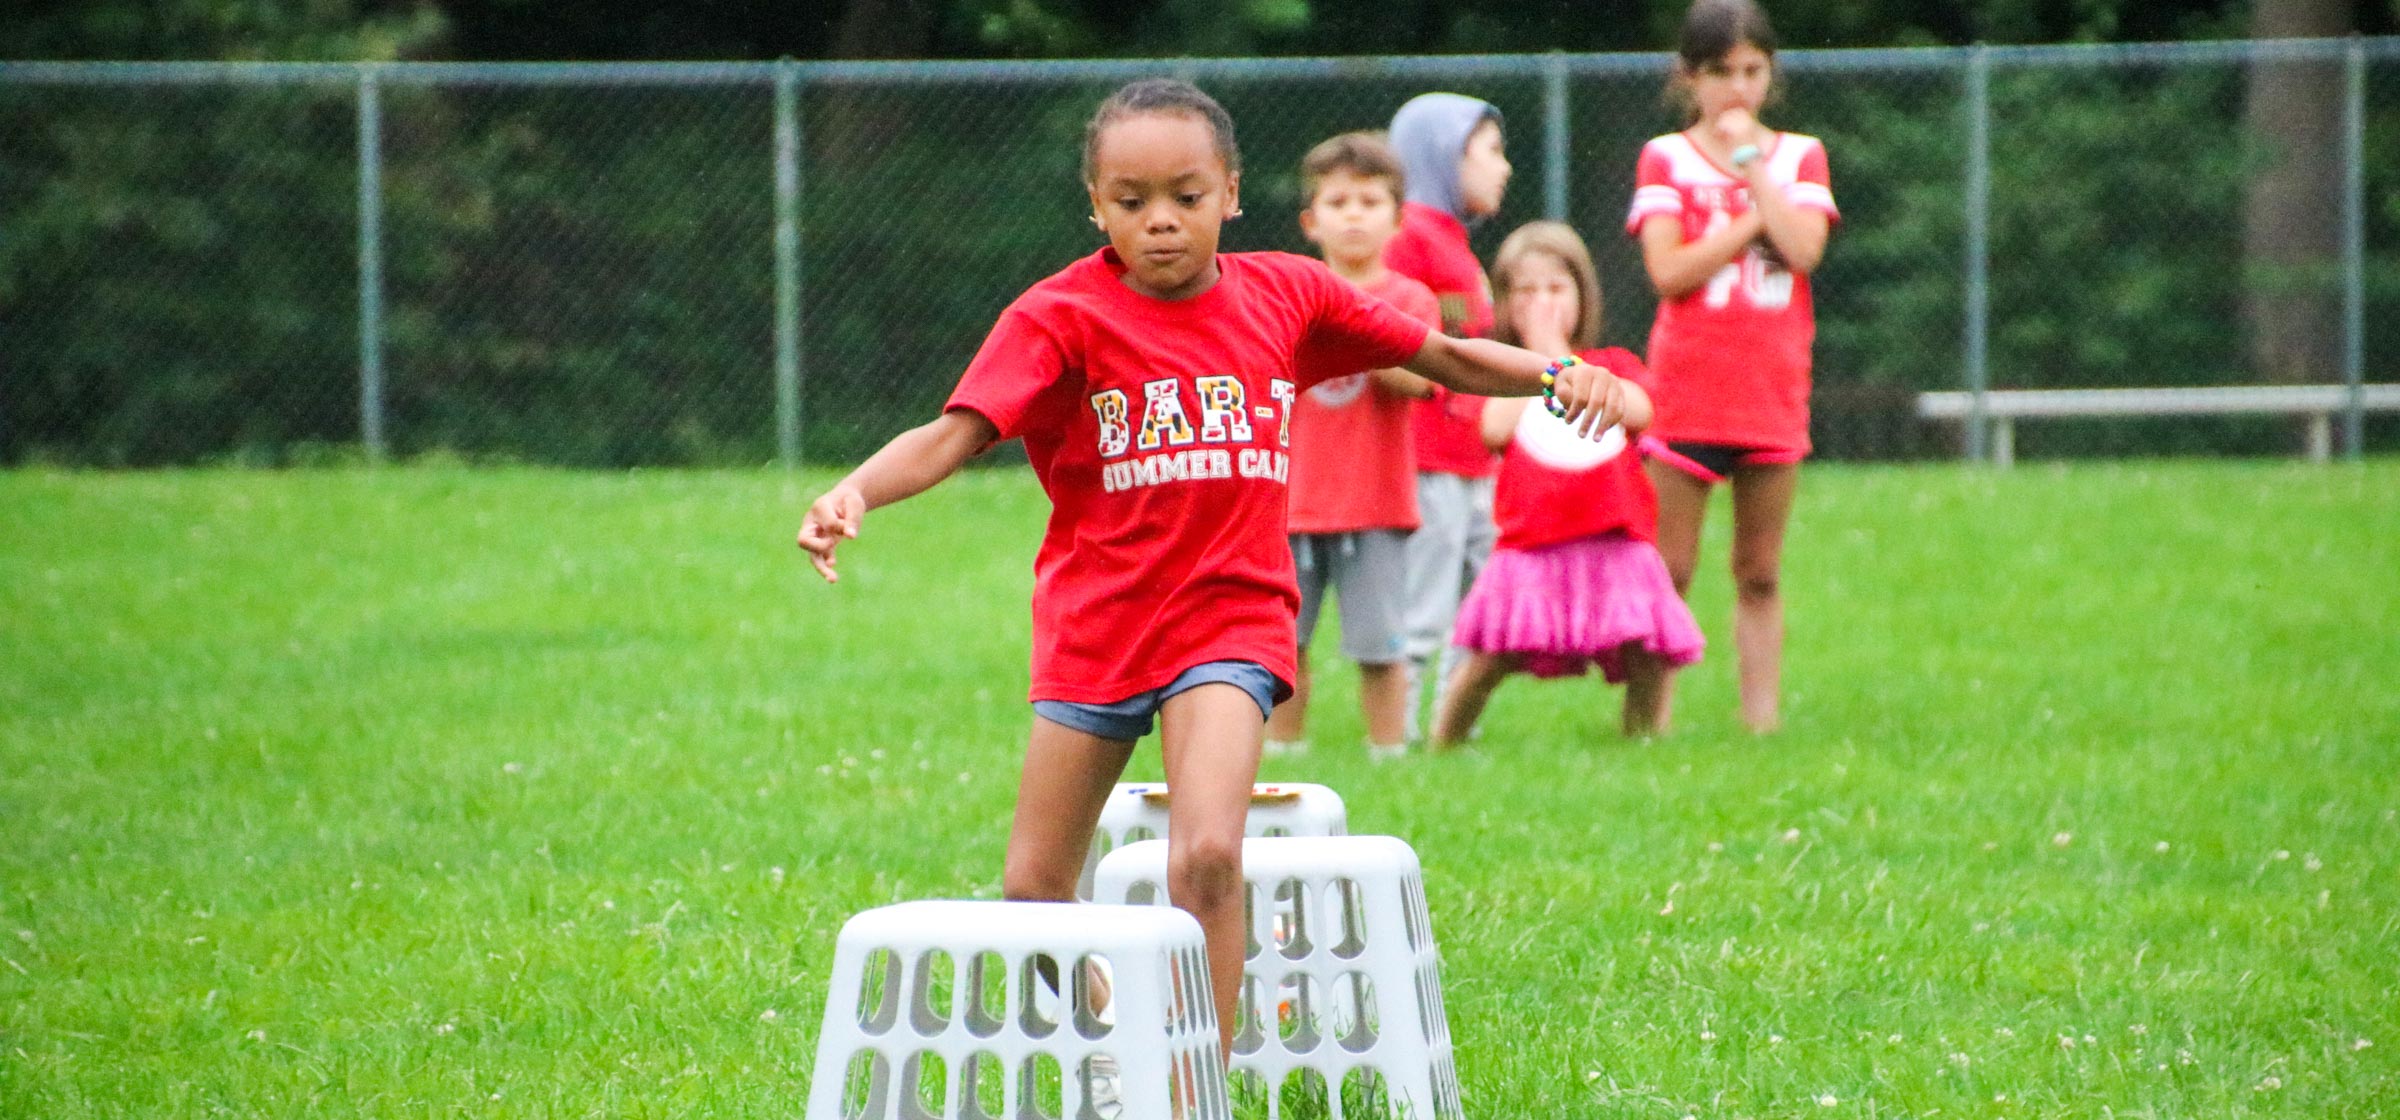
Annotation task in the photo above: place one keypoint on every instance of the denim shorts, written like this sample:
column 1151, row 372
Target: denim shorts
column 1131, row 718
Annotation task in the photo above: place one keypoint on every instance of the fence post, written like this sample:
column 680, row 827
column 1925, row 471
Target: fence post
column 370, row 263
column 1978, row 215
column 1554, row 137
column 787, row 264
column 2354, row 238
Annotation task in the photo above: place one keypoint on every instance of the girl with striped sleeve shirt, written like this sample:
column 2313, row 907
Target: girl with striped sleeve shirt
column 1732, row 217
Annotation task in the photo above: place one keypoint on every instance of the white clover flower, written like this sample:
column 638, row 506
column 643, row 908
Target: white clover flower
column 2359, row 1045
column 767, row 1016
column 2062, row 839
column 1774, row 1040
column 2269, row 1084
column 2160, row 847
column 2139, row 1028
column 445, row 1028
column 2281, row 855
column 2066, row 1042
column 2311, row 862
column 1711, row 1036
column 1828, row 1101
column 512, row 768
column 2004, row 1032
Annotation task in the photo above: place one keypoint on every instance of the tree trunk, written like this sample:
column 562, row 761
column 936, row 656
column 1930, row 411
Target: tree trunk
column 2291, row 222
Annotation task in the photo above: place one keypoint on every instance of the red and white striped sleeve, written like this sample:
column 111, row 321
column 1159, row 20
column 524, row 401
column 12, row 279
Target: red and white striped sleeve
column 1654, row 193
column 1812, row 182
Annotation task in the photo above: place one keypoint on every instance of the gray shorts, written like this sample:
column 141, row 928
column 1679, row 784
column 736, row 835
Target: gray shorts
column 1444, row 556
column 1130, row 718
column 1368, row 570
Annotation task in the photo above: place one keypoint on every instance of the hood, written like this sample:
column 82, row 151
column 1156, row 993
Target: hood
column 1430, row 134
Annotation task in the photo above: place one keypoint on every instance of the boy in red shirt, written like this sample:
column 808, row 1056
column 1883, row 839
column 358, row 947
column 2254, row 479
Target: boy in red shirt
column 1450, row 147
column 1353, row 483
column 1152, row 383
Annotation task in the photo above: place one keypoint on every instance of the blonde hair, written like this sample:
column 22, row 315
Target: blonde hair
column 1554, row 239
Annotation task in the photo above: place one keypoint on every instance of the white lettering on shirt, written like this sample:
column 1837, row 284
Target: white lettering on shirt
column 1162, row 415
column 1222, row 408
column 1115, row 433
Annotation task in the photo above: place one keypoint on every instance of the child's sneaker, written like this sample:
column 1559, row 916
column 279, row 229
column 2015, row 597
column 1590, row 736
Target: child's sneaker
column 1104, row 1086
column 1285, row 748
column 1386, row 752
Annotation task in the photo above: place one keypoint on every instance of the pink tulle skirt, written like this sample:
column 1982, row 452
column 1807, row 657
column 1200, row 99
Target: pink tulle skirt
column 1567, row 606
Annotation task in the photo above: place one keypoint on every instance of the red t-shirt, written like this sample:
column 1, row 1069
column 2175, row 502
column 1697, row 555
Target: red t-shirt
column 1158, row 430
column 1354, row 462
column 1432, row 249
column 1543, row 499
column 1733, row 356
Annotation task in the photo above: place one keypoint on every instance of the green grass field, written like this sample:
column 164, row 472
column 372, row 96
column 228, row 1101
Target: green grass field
column 435, row 792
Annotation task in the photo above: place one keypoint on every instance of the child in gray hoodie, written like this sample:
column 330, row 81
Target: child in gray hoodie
column 1450, row 145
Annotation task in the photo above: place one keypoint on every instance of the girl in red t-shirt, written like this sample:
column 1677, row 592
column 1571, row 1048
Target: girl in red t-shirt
column 1152, row 384
column 1733, row 218
column 1575, row 579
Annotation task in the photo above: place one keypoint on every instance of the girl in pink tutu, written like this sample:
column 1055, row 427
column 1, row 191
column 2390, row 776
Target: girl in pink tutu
column 1576, row 578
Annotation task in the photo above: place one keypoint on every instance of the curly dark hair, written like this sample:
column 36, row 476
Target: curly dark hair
column 1161, row 95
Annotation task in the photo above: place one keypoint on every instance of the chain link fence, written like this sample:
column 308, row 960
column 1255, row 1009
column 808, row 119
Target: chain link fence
column 621, row 264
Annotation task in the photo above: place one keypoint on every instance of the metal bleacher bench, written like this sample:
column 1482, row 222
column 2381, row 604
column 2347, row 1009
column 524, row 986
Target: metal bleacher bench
column 2005, row 407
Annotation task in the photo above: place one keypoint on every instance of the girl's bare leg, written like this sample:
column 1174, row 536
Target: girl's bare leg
column 1212, row 735
column 1646, row 679
column 1682, row 505
column 1289, row 723
column 1762, row 506
column 1470, row 688
column 1383, row 700
column 1067, row 779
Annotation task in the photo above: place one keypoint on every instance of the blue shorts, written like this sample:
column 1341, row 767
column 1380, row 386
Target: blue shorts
column 1130, row 718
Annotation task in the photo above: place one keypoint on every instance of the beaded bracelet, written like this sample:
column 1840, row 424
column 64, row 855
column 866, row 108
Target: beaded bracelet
column 1550, row 384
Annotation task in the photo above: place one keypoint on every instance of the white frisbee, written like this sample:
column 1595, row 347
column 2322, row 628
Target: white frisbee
column 1555, row 445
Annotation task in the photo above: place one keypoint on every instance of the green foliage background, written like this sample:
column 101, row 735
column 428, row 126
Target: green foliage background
column 582, row 273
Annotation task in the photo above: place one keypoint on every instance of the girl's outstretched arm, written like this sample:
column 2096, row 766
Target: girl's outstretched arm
column 1594, row 397
column 909, row 465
